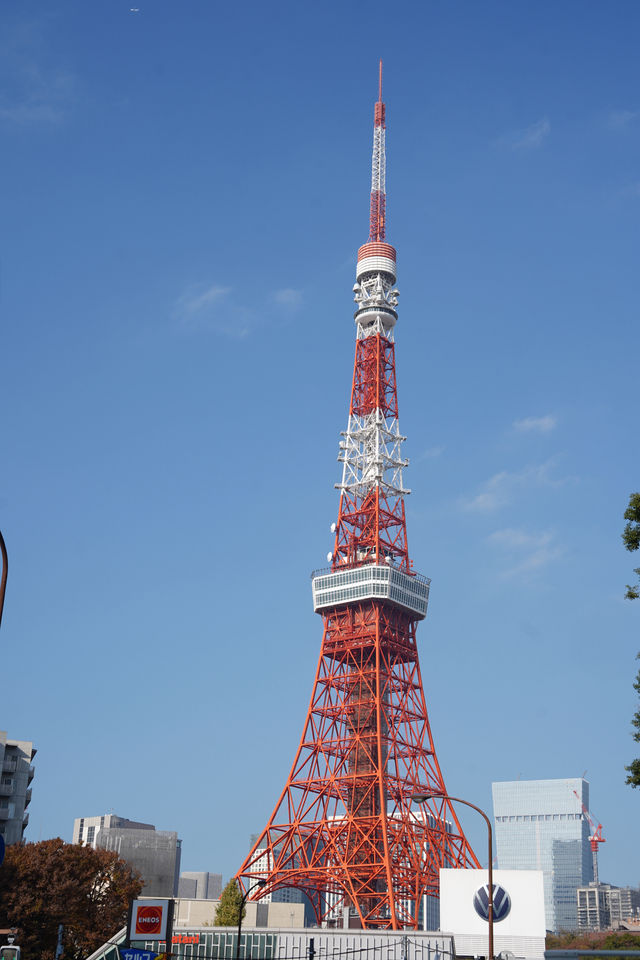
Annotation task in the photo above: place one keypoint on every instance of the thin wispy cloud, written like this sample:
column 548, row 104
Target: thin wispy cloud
column 525, row 552
column 209, row 307
column 219, row 308
column 529, row 138
column 536, row 424
column 620, row 119
column 32, row 95
column 502, row 488
column 430, row 454
column 494, row 494
column 288, row 297
column 195, row 300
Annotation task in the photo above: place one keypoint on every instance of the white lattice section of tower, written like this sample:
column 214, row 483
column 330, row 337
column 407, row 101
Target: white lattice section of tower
column 378, row 163
column 371, row 446
column 371, row 455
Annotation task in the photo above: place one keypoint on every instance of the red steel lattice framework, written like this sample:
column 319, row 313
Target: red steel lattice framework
column 344, row 830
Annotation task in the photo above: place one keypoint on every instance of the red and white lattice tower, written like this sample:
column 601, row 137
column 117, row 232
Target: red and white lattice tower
column 344, row 830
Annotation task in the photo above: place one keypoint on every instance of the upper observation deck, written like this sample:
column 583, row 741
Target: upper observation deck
column 372, row 581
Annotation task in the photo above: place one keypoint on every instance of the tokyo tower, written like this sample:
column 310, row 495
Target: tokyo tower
column 344, row 830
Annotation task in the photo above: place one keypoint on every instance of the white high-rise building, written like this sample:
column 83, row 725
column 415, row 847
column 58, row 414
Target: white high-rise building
column 539, row 825
column 15, row 791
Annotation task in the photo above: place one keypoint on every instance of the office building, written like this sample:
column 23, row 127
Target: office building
column 539, row 825
column 601, row 906
column 285, row 895
column 15, row 791
column 86, row 829
column 200, row 886
column 155, row 854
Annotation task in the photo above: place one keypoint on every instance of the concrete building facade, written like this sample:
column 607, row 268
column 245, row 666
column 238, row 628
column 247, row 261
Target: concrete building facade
column 200, row 885
column 155, row 854
column 601, row 906
column 16, row 774
column 539, row 825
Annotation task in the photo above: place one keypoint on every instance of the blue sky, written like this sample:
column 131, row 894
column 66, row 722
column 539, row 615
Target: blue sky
column 184, row 190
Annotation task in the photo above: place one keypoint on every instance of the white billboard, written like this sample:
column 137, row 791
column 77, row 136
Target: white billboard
column 149, row 919
column 518, row 903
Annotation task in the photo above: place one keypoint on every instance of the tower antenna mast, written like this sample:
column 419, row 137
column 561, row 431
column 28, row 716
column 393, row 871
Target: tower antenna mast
column 377, row 208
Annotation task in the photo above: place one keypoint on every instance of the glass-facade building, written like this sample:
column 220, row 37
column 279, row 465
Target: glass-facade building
column 539, row 825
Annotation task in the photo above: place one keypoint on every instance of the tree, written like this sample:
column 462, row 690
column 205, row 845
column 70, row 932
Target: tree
column 52, row 882
column 634, row 767
column 228, row 912
column 631, row 538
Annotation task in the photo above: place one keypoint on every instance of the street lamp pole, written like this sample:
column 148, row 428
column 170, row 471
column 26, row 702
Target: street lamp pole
column 258, row 883
column 422, row 798
column 5, row 567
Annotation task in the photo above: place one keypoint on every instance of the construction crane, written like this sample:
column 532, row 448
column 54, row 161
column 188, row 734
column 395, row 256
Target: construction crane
column 595, row 838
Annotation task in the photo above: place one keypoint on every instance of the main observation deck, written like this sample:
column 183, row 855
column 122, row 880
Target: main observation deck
column 372, row 581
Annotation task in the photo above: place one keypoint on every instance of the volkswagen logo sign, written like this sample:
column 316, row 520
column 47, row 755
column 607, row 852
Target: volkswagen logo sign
column 501, row 902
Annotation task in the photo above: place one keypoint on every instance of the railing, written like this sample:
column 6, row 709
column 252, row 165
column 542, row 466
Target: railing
column 6, row 789
column 9, row 766
column 341, row 568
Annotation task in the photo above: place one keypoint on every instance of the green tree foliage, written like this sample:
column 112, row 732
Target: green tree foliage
column 52, row 882
column 634, row 767
column 228, row 912
column 631, row 538
column 578, row 940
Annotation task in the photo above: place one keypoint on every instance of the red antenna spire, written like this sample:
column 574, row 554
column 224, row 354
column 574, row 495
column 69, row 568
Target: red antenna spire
column 378, row 170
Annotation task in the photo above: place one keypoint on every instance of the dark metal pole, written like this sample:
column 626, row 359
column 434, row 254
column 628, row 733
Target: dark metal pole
column 170, row 911
column 421, row 798
column 127, row 937
column 258, row 883
column 5, row 568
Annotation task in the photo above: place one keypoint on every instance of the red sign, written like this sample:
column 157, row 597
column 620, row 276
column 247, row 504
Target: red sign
column 186, row 938
column 148, row 920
